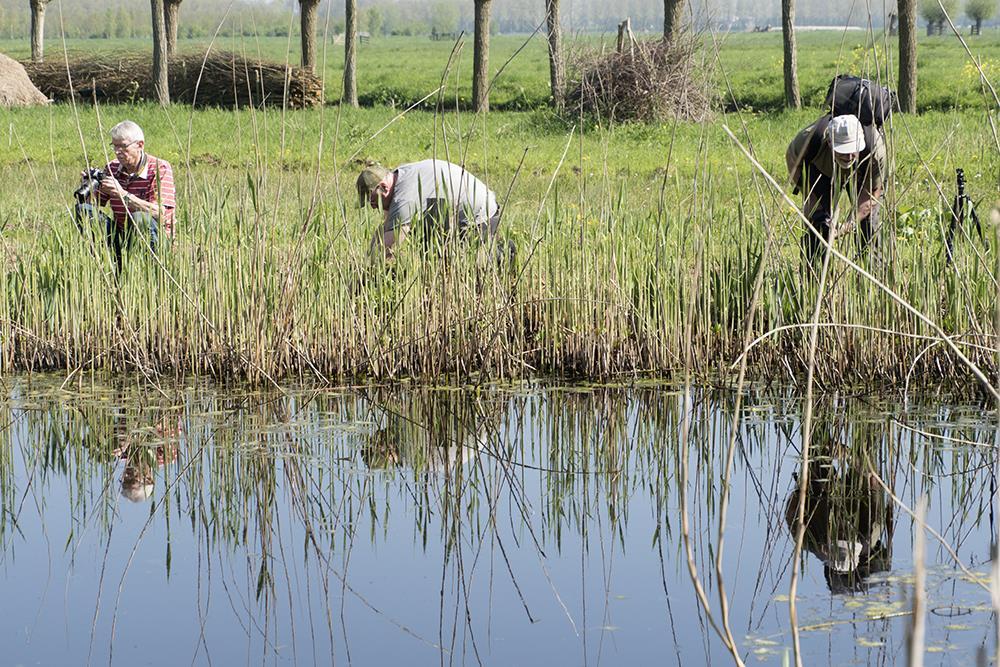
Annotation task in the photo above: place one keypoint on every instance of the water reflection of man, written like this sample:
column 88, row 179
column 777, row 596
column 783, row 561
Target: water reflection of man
column 848, row 521
column 143, row 460
column 141, row 464
column 439, row 443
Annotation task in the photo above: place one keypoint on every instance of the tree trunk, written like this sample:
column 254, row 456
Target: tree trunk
column 979, row 27
column 350, row 52
column 307, row 22
column 481, row 57
column 37, row 30
column 160, row 81
column 673, row 15
column 556, row 76
column 907, row 56
column 171, row 10
column 792, row 98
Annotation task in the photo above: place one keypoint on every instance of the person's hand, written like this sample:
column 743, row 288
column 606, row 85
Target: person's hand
column 111, row 187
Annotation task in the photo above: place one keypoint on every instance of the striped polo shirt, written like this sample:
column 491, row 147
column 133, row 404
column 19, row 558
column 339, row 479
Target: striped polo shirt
column 154, row 182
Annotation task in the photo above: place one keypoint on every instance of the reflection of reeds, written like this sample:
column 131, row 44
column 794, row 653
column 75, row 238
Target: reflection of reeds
column 480, row 473
column 915, row 647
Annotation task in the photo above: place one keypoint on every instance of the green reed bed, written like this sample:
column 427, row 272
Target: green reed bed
column 627, row 260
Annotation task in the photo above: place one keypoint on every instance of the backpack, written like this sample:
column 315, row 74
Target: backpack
column 864, row 98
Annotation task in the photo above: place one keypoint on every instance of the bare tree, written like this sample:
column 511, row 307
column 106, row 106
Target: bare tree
column 792, row 98
column 161, row 81
column 481, row 57
column 556, row 74
column 38, row 30
column 673, row 15
column 350, row 52
column 307, row 21
column 171, row 10
column 908, row 56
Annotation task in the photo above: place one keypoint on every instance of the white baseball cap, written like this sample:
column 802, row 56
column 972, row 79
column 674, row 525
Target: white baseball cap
column 846, row 134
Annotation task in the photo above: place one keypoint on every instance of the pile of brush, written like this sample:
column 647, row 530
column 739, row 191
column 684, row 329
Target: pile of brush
column 221, row 80
column 643, row 80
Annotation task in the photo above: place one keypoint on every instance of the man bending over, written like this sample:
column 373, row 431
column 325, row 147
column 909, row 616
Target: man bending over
column 435, row 192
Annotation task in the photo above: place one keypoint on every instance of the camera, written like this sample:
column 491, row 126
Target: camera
column 91, row 179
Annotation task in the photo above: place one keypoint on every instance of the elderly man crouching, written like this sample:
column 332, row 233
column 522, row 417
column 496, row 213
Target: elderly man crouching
column 434, row 193
column 137, row 186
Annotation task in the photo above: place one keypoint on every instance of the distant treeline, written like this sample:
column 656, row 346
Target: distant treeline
column 199, row 18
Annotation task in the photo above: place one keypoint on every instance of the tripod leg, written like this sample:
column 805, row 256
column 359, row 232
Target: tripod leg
column 975, row 221
column 957, row 218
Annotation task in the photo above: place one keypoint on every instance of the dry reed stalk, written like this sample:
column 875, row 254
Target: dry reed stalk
column 724, row 633
column 734, row 428
column 806, row 442
column 918, row 620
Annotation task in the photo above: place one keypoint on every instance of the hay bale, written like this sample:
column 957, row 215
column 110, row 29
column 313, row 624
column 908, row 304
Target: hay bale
column 16, row 89
column 646, row 81
column 221, row 80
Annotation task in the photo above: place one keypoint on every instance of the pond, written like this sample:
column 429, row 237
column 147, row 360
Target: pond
column 496, row 524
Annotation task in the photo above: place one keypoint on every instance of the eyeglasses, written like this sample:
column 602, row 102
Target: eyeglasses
column 121, row 148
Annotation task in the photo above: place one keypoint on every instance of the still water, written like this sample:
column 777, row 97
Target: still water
column 522, row 524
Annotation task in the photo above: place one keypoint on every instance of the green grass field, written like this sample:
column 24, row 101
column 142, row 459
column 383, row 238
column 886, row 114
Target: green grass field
column 638, row 244
column 402, row 70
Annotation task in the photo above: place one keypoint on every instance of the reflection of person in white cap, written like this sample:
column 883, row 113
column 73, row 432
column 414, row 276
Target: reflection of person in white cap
column 137, row 482
column 834, row 153
column 141, row 464
column 848, row 519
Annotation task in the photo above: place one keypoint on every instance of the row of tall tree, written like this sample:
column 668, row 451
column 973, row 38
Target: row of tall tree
column 936, row 13
column 165, row 19
column 933, row 11
column 98, row 18
column 167, row 14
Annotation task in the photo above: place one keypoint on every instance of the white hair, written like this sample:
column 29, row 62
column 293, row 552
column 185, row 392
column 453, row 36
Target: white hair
column 127, row 131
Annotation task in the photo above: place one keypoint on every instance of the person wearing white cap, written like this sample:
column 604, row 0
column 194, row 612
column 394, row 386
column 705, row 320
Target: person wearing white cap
column 833, row 153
